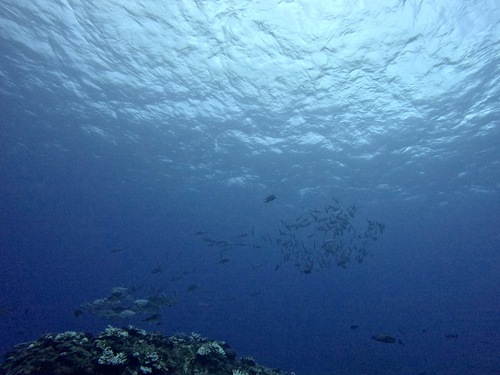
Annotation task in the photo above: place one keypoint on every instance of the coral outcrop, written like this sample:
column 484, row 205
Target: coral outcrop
column 129, row 351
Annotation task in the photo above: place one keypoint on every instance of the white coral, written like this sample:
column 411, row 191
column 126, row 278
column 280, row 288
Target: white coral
column 108, row 357
column 117, row 332
column 210, row 348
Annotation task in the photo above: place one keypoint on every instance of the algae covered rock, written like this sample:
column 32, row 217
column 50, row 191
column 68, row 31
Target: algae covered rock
column 127, row 351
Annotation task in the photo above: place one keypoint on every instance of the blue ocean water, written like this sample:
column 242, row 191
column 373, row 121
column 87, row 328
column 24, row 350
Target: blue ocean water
column 139, row 140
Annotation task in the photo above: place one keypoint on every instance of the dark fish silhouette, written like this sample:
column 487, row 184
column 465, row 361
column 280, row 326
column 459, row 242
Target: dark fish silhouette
column 192, row 287
column 269, row 198
column 6, row 310
column 152, row 318
column 156, row 270
column 385, row 338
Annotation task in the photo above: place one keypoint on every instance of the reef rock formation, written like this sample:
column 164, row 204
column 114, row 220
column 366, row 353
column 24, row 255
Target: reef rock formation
column 127, row 351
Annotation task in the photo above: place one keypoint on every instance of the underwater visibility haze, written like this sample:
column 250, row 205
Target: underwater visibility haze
column 315, row 183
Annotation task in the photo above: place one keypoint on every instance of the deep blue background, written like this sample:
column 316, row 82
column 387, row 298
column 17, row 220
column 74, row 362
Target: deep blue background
column 434, row 272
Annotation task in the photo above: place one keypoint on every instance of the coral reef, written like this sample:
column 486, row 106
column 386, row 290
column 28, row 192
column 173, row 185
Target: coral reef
column 128, row 351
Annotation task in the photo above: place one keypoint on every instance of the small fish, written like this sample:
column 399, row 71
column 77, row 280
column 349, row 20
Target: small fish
column 161, row 300
column 223, row 260
column 6, row 310
column 117, row 293
column 152, row 318
column 342, row 261
column 354, row 326
column 192, row 287
column 385, row 338
column 258, row 265
column 125, row 314
column 116, row 250
column 176, row 278
column 381, row 227
column 269, row 198
column 451, row 335
column 156, row 270
column 77, row 313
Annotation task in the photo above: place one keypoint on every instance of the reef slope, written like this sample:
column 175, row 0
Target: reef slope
column 128, row 351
